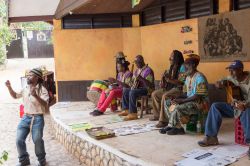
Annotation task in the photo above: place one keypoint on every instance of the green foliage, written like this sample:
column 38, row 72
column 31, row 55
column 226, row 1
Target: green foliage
column 39, row 25
column 5, row 34
column 3, row 157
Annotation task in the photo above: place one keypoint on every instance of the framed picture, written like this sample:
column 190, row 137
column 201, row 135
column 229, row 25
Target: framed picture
column 225, row 37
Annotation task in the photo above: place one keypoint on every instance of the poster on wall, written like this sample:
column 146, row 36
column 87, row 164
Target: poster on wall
column 225, row 37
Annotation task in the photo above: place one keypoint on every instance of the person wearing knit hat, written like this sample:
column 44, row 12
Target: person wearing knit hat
column 35, row 101
column 193, row 101
column 38, row 72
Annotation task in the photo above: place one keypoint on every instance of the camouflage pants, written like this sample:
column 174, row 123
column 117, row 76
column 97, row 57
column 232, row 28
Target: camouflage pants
column 181, row 113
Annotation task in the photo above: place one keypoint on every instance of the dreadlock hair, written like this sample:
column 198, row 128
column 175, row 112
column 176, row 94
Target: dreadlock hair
column 175, row 67
column 40, row 83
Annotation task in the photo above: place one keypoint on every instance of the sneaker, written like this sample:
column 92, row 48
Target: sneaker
column 92, row 112
column 96, row 113
column 165, row 129
column 161, row 124
column 24, row 163
column 176, row 131
column 209, row 141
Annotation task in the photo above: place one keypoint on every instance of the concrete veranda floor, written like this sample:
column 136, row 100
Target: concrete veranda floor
column 150, row 146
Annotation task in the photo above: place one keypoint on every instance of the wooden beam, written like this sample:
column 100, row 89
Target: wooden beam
column 66, row 6
column 48, row 18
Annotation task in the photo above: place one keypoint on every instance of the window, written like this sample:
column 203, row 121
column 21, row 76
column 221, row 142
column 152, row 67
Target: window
column 198, row 8
column 97, row 21
column 172, row 10
column 240, row 4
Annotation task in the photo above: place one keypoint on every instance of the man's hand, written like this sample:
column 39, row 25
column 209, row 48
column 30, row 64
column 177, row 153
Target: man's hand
column 239, row 105
column 177, row 101
column 8, row 84
column 33, row 91
column 112, row 80
column 219, row 84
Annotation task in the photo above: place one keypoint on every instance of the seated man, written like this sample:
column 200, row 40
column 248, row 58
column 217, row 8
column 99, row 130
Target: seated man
column 171, row 84
column 115, row 88
column 142, row 84
column 195, row 96
column 237, row 109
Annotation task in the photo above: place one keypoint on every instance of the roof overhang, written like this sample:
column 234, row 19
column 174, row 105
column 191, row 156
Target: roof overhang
column 32, row 10
column 66, row 7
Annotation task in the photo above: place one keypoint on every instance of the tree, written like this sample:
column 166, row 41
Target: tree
column 39, row 25
column 6, row 36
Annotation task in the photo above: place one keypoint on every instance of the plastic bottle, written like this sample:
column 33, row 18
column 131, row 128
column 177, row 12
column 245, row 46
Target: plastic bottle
column 198, row 127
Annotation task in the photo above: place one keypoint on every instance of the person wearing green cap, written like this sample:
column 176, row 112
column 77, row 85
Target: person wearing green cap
column 35, row 100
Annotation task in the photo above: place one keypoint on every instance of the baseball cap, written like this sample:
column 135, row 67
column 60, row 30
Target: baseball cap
column 236, row 64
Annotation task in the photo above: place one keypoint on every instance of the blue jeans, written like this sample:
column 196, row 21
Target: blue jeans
column 129, row 97
column 23, row 130
column 221, row 109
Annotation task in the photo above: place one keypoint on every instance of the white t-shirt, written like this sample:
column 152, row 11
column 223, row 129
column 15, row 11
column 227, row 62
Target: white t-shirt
column 31, row 105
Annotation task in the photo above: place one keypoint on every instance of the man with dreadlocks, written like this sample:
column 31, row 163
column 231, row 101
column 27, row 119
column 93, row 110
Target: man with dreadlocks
column 170, row 84
column 35, row 100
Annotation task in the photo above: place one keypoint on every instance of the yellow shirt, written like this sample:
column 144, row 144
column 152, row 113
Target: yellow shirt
column 31, row 105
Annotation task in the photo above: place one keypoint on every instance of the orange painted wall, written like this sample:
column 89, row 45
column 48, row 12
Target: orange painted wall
column 224, row 6
column 89, row 54
column 86, row 54
column 131, row 42
column 158, row 42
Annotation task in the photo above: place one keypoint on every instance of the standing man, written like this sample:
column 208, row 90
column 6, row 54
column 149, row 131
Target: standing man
column 142, row 84
column 35, row 100
column 237, row 109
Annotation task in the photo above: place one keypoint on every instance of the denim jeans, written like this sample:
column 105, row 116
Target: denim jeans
column 221, row 109
column 23, row 130
column 129, row 97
